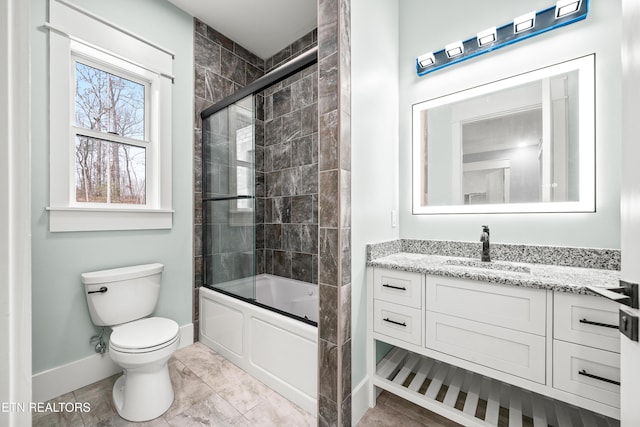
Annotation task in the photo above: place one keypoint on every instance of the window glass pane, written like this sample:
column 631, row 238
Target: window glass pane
column 244, row 186
column 244, row 144
column 109, row 172
column 106, row 102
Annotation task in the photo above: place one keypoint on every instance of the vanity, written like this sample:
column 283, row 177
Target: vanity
column 478, row 342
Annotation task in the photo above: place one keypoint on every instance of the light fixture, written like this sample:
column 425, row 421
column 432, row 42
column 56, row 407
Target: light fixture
column 426, row 60
column 524, row 22
column 454, row 49
column 567, row 7
column 487, row 36
column 560, row 14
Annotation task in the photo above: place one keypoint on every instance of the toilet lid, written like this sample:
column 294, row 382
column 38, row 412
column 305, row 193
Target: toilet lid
column 144, row 333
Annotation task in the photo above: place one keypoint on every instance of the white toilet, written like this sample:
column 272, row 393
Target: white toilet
column 122, row 298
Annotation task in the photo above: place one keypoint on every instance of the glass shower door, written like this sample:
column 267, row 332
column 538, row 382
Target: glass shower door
column 228, row 188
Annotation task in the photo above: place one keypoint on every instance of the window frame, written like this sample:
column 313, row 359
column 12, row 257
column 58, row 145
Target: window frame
column 74, row 33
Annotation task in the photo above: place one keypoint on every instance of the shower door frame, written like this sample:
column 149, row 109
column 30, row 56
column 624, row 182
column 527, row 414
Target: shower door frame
column 280, row 73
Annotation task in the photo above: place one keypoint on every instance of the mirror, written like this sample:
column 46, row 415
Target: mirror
column 521, row 144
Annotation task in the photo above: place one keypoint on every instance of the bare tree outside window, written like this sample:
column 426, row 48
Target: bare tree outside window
column 110, row 166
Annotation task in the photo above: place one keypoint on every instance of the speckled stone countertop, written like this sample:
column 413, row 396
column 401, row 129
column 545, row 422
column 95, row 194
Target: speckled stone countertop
column 559, row 278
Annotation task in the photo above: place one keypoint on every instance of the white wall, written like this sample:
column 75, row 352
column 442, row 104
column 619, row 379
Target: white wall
column 15, row 274
column 61, row 323
column 428, row 26
column 374, row 148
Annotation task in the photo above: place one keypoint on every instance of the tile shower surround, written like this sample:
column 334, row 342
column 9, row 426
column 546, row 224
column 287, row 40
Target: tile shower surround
column 287, row 179
column 334, row 213
column 222, row 67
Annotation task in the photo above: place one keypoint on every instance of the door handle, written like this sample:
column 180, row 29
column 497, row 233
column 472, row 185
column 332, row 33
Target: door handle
column 625, row 294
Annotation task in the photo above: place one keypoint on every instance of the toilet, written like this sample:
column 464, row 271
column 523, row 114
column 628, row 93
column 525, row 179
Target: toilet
column 122, row 298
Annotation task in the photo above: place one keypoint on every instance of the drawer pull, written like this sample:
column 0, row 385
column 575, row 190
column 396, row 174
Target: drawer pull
column 606, row 380
column 401, row 288
column 604, row 325
column 395, row 323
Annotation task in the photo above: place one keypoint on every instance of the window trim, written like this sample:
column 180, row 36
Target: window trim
column 76, row 33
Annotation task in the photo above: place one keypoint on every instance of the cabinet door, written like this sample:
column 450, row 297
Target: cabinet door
column 513, row 307
column 514, row 352
column 586, row 320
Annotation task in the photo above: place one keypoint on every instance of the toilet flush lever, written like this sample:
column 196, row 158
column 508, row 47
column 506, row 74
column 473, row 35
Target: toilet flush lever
column 102, row 290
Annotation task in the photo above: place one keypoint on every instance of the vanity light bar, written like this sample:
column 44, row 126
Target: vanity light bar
column 564, row 12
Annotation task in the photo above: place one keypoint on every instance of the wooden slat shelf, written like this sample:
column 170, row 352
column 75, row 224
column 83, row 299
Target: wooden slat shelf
column 473, row 399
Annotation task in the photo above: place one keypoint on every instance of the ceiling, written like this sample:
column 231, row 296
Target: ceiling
column 263, row 26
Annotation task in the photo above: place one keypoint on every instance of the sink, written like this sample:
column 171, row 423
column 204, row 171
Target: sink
column 491, row 265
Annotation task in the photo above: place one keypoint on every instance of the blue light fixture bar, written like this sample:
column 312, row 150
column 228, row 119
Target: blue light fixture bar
column 565, row 12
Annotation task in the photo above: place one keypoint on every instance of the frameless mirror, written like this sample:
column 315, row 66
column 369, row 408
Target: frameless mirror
column 521, row 144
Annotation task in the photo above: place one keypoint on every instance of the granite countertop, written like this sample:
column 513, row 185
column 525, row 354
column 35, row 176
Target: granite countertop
column 530, row 275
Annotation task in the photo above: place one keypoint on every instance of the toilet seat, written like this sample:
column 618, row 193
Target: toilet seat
column 144, row 335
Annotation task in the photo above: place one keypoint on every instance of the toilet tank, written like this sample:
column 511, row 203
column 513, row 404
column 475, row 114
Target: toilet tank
column 121, row 295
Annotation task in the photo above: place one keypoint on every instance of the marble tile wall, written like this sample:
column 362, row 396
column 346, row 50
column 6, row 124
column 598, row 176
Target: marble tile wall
column 299, row 46
column 287, row 179
column 334, row 213
column 221, row 67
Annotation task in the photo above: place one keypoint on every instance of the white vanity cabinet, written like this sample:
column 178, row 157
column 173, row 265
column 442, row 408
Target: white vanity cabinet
column 504, row 345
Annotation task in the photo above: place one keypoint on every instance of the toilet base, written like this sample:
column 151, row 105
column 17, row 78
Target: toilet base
column 143, row 396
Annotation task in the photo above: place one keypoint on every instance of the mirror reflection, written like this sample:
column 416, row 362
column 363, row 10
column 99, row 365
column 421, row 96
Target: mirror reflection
column 522, row 144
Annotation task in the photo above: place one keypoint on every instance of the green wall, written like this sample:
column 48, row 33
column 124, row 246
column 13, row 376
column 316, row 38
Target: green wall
column 61, row 323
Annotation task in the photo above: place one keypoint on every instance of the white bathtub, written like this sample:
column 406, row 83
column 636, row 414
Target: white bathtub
column 280, row 351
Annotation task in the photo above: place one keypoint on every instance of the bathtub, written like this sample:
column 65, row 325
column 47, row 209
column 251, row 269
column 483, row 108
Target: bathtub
column 280, row 348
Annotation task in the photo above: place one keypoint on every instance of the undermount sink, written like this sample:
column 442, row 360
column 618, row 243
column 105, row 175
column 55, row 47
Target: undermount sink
column 491, row 265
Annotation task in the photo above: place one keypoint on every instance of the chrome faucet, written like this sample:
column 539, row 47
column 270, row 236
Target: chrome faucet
column 484, row 238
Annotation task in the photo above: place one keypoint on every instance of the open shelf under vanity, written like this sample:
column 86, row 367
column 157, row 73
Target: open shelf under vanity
column 473, row 399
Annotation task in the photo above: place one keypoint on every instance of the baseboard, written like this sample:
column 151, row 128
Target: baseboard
column 72, row 376
column 359, row 401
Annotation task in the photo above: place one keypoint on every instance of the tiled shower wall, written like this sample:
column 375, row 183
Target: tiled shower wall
column 287, row 178
column 221, row 68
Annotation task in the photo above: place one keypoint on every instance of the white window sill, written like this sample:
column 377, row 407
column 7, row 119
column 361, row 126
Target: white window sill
column 63, row 219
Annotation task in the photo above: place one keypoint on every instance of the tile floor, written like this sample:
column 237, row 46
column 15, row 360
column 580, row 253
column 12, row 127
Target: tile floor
column 211, row 391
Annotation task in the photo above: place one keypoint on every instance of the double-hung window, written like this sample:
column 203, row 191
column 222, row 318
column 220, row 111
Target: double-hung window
column 110, row 126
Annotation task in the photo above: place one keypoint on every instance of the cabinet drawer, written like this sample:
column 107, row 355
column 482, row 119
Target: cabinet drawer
column 572, row 361
column 581, row 319
column 399, row 287
column 398, row 321
column 522, row 309
column 514, row 352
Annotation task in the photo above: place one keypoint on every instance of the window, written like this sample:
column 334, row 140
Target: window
column 110, row 135
column 110, row 126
